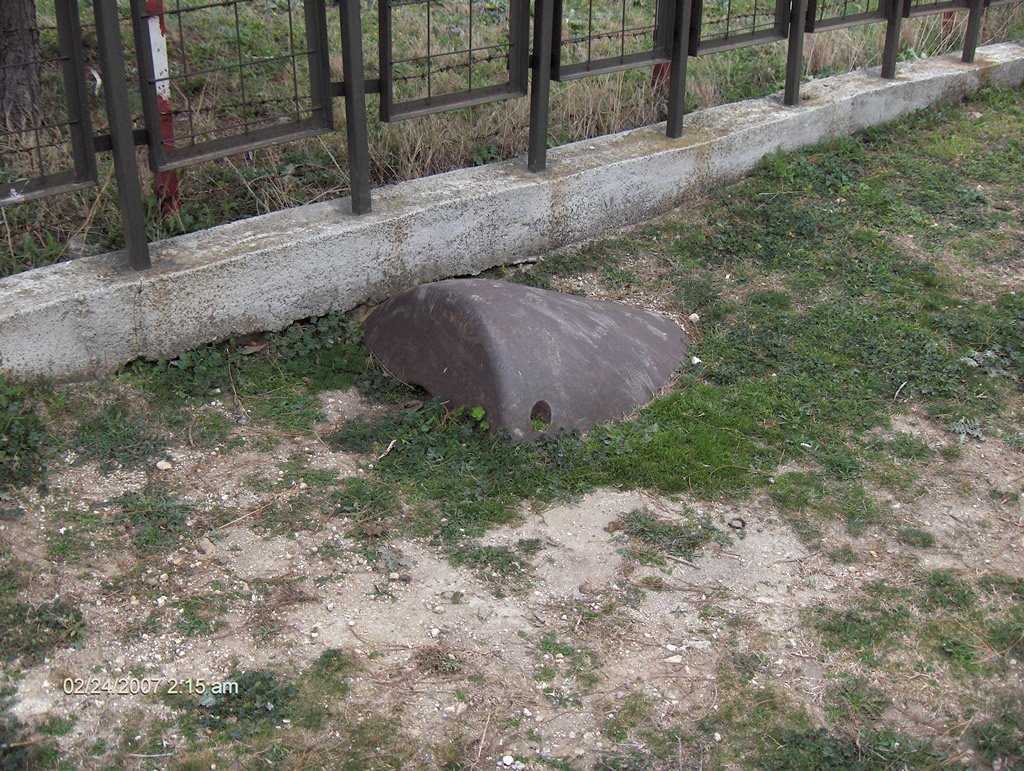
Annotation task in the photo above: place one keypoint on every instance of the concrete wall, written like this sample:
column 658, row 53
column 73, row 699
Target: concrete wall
column 94, row 314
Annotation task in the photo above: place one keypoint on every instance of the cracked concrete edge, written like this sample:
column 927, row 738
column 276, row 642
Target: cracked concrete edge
column 86, row 317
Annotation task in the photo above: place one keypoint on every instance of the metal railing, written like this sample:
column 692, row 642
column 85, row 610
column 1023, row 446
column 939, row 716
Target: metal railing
column 433, row 56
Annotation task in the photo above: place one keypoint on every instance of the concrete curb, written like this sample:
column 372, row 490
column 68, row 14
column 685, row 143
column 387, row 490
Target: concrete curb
column 91, row 315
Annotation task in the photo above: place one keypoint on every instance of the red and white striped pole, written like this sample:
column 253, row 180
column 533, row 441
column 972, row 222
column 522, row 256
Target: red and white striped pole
column 165, row 182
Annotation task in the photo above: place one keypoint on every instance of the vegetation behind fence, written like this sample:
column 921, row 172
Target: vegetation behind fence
column 89, row 89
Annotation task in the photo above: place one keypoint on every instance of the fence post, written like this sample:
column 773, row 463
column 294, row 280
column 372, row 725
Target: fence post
column 355, row 107
column 795, row 53
column 166, row 182
column 540, row 84
column 893, row 26
column 126, row 167
column 677, row 71
column 974, row 18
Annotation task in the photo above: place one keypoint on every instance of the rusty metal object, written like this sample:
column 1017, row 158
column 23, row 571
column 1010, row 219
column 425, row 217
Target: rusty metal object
column 534, row 359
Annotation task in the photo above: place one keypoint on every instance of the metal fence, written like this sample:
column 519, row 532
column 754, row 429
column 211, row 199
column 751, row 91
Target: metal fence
column 432, row 56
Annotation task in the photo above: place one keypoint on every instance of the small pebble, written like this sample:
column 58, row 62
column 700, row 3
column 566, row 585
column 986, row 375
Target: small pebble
column 508, row 760
column 164, row 465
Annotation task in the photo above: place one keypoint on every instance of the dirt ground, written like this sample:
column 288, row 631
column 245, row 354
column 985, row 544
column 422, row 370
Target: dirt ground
column 745, row 597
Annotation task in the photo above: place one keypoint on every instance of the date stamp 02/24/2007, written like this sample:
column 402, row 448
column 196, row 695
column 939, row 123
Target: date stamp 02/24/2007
column 132, row 686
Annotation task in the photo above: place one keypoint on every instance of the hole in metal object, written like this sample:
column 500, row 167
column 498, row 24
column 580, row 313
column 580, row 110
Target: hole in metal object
column 540, row 415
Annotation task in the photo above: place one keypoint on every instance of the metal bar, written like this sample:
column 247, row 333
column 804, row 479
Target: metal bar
column 355, row 106
column 13, row 193
column 853, row 20
column 795, row 53
column 319, row 62
column 718, row 45
column 540, row 84
column 677, row 74
column 892, row 38
column 974, row 18
column 148, row 78
column 608, row 66
column 212, row 149
column 338, row 87
column 927, row 10
column 69, row 35
column 557, row 14
column 519, row 47
column 166, row 182
column 416, row 108
column 101, row 142
column 782, row 18
column 126, row 168
column 696, row 23
column 812, row 12
column 384, row 22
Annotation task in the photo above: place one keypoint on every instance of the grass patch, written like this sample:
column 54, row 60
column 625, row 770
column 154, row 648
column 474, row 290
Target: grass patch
column 915, row 536
column 116, row 437
column 817, row 748
column 865, row 630
column 1006, row 634
column 643, row 740
column 273, row 378
column 652, row 538
column 853, row 700
column 942, row 589
column 495, row 564
column 23, row 439
column 262, row 701
column 333, row 670
column 29, row 632
column 157, row 519
column 998, row 735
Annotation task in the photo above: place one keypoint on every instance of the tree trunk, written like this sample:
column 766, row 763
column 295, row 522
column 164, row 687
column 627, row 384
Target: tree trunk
column 20, row 89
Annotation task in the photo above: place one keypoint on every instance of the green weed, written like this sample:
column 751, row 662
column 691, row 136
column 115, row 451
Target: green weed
column 30, row 632
column 1006, row 635
column 333, row 670
column 23, row 439
column 262, row 701
column 658, row 537
column 915, row 536
column 864, row 631
column 942, row 589
column 999, row 734
column 117, row 437
column 818, row 748
column 853, row 699
column 156, row 518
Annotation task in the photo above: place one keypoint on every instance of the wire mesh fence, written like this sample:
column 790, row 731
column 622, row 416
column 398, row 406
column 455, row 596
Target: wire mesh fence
column 45, row 131
column 195, row 80
column 230, row 75
column 601, row 36
column 446, row 54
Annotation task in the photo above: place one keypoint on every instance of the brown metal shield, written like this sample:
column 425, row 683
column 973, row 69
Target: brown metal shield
column 534, row 359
